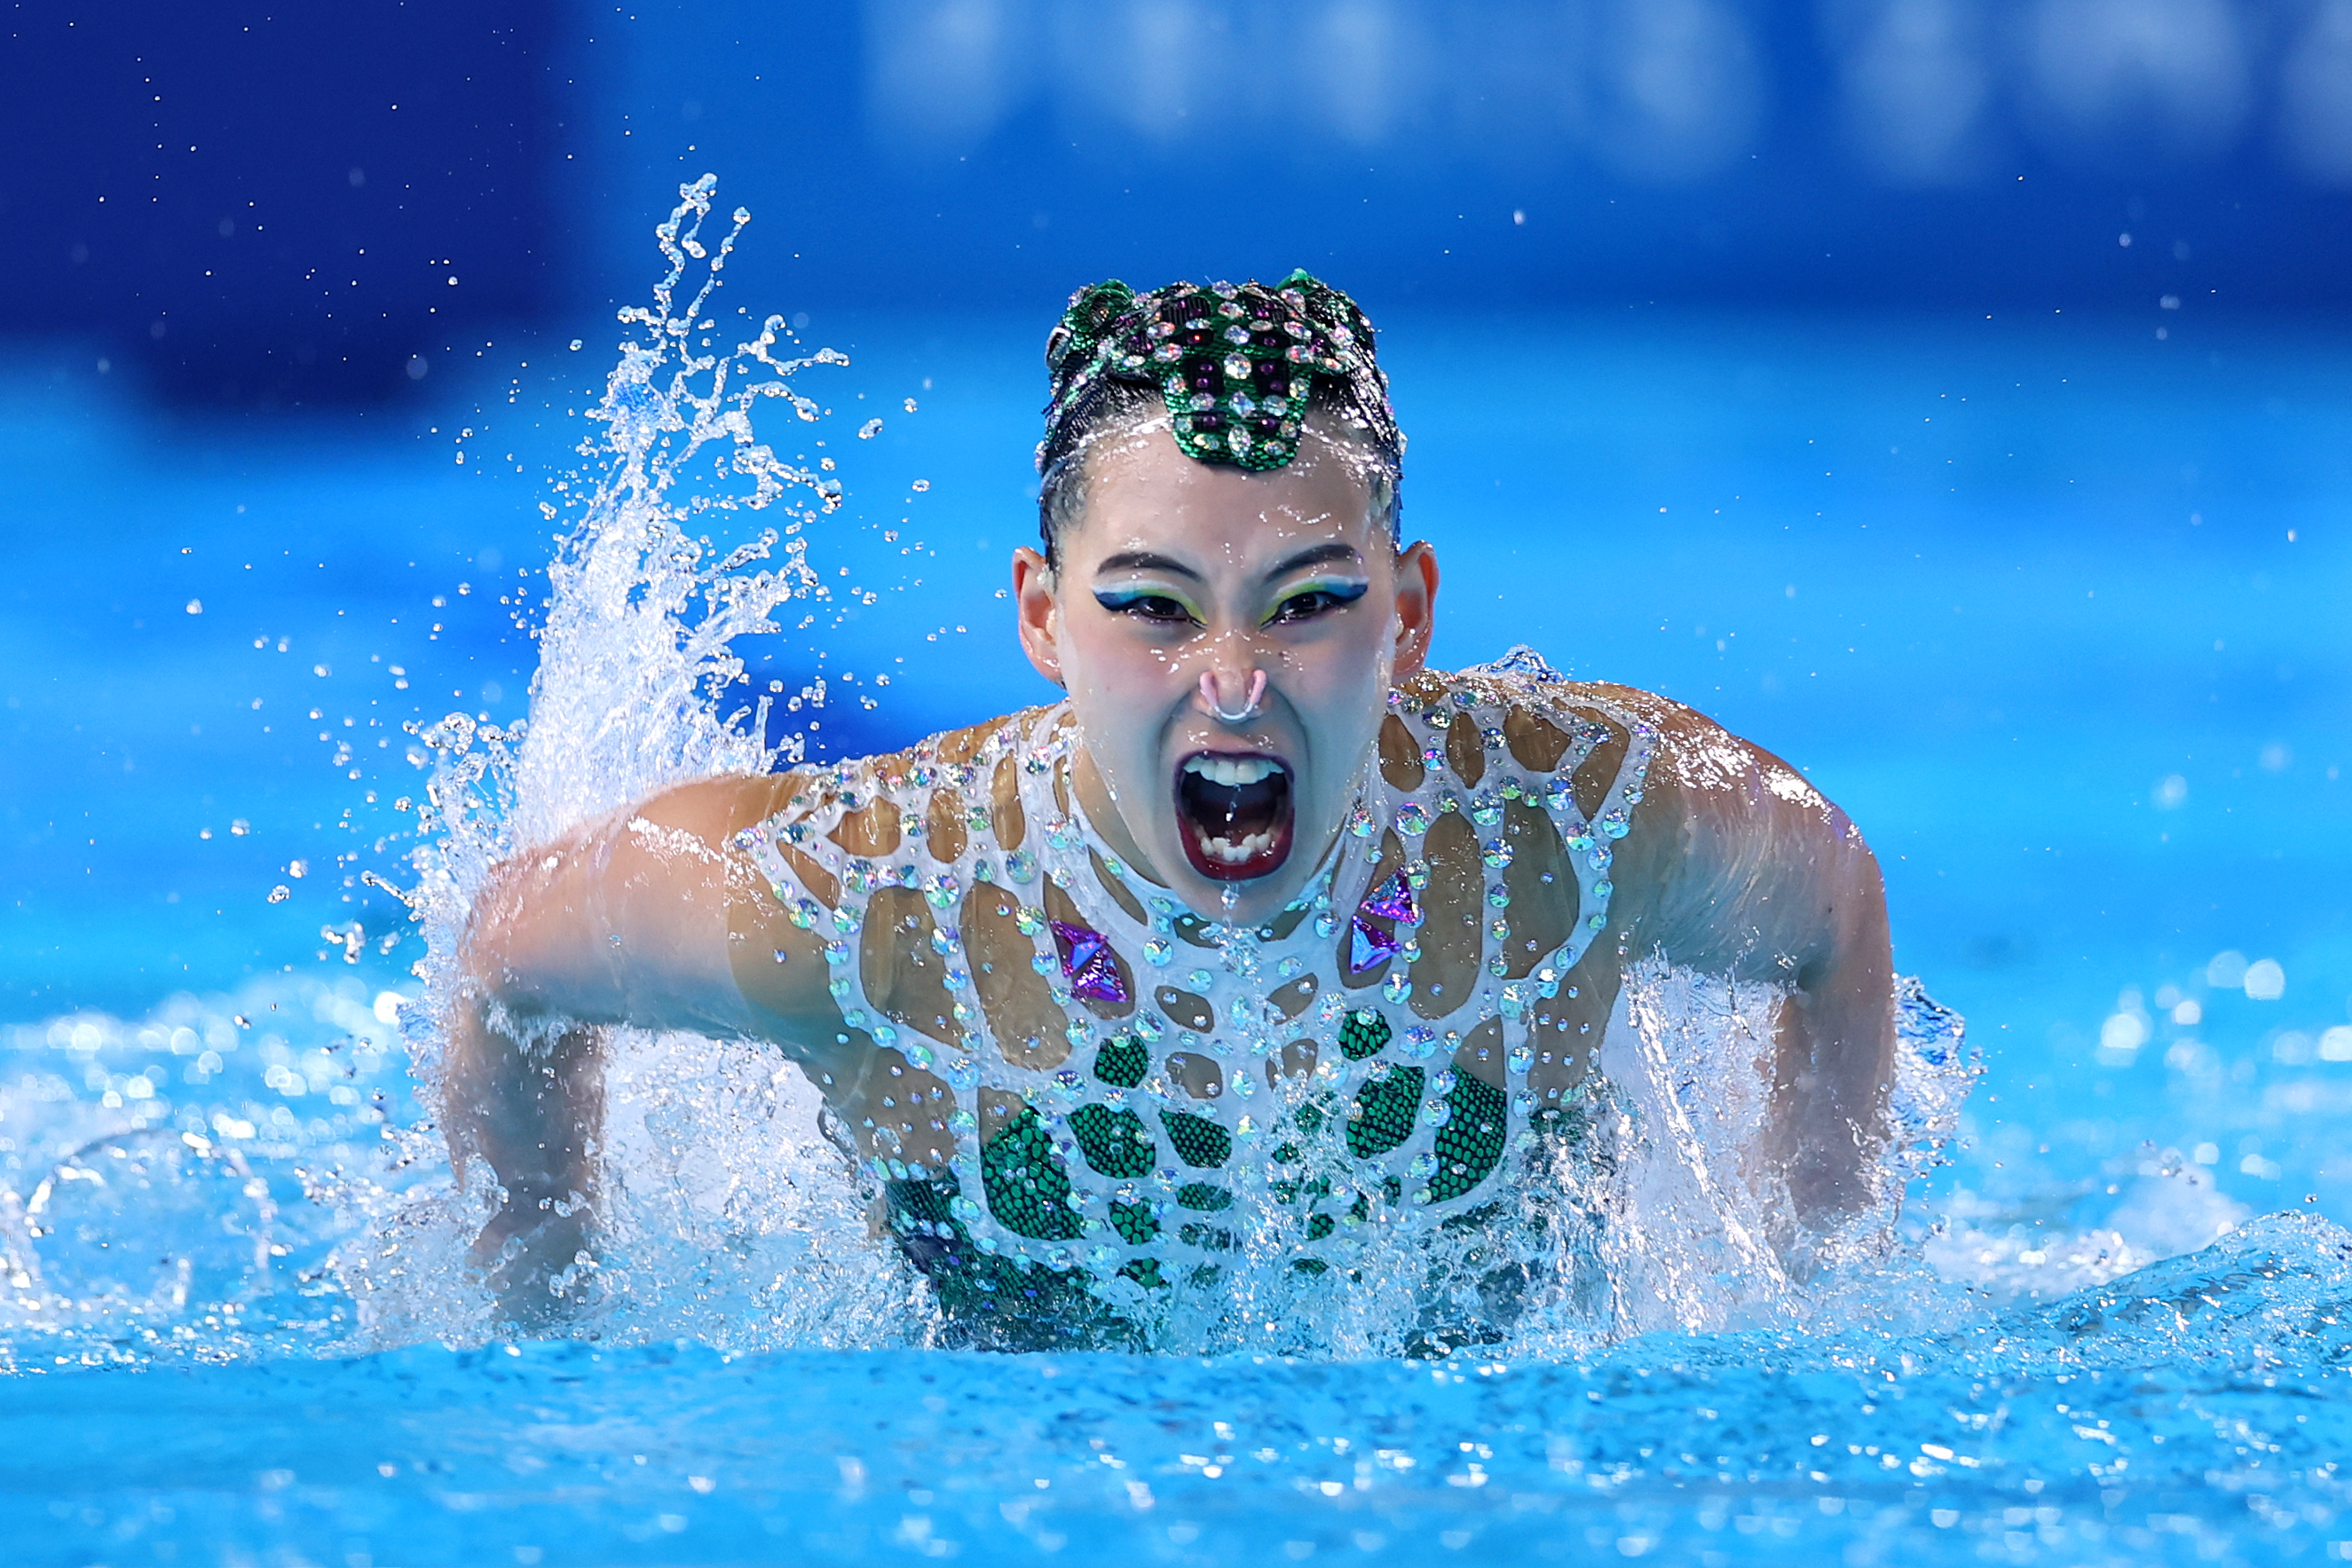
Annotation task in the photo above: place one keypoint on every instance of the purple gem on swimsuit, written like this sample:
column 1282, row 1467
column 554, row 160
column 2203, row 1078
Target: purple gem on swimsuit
column 1392, row 900
column 1368, row 945
column 1086, row 963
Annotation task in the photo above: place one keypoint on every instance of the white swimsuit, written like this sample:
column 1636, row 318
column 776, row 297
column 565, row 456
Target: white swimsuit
column 1288, row 1093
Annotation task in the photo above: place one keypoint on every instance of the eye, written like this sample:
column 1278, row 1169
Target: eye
column 1310, row 602
column 1145, row 605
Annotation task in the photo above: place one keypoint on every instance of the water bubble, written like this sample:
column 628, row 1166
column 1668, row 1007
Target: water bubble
column 869, row 429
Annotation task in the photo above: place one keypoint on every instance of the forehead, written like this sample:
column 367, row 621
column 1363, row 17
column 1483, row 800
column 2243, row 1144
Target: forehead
column 1142, row 492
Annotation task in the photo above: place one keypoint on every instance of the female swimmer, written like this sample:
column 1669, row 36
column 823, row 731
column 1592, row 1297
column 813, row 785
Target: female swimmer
column 1265, row 941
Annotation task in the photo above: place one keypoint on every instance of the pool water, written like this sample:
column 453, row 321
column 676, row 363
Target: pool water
column 2052, row 607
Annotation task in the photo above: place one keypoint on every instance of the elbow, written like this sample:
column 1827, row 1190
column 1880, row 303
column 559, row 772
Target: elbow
column 505, row 955
column 484, row 957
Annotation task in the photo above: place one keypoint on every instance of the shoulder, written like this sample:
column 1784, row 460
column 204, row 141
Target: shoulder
column 863, row 807
column 1698, row 756
column 1677, row 775
column 1521, row 718
column 851, row 787
column 1543, row 716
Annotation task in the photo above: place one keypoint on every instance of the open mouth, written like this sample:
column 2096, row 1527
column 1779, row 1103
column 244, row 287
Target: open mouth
column 1233, row 813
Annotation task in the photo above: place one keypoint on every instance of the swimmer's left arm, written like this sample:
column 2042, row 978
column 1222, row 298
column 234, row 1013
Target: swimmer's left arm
column 1751, row 871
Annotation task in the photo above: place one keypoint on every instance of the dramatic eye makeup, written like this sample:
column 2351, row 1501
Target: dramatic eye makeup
column 1315, row 596
column 1148, row 602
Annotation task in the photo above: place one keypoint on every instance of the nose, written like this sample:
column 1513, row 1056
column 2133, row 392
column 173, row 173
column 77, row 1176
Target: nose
column 1217, row 683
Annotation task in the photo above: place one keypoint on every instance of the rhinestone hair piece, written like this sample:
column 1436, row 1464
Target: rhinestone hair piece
column 1236, row 364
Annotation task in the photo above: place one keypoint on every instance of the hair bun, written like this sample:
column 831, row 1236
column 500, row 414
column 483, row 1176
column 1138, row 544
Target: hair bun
column 1091, row 311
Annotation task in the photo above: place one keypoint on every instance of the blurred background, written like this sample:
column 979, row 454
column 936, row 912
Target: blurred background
column 262, row 209
column 1952, row 396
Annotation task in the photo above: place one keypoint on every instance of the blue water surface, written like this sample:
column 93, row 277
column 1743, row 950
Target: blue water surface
column 2054, row 607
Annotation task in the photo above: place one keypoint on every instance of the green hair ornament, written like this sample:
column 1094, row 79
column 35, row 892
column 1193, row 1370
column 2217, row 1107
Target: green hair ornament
column 1236, row 364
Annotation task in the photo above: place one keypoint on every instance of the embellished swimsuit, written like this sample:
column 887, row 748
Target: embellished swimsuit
column 1083, row 1093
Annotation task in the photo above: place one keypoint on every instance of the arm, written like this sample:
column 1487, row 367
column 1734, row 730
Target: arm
column 1750, row 872
column 645, row 919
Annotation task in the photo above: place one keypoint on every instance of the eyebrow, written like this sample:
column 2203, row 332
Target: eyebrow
column 1147, row 560
column 1319, row 554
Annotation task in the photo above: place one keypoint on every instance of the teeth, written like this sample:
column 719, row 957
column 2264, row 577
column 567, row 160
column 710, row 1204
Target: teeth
column 1250, row 848
column 1232, row 771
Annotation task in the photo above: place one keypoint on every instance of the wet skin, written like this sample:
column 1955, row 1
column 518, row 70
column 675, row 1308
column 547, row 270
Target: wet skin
column 1186, row 580
column 1175, row 571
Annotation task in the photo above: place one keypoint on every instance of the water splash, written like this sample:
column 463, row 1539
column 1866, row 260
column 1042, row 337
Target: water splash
column 727, row 1217
column 175, row 1186
column 637, row 659
column 722, row 1190
column 731, row 1219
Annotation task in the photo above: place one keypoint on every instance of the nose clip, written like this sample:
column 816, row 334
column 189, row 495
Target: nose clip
column 1211, row 695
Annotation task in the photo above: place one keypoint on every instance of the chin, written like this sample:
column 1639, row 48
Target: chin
column 1235, row 813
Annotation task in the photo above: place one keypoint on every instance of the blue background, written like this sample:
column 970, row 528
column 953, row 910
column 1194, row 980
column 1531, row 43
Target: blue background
column 1954, row 398
column 261, row 206
column 1788, row 360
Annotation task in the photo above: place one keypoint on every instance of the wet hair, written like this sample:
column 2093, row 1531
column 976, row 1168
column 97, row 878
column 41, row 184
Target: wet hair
column 1239, row 375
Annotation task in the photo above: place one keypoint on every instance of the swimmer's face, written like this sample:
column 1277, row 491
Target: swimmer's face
column 1180, row 584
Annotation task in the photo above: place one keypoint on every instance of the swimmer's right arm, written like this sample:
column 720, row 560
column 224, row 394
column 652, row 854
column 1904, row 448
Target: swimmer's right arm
column 653, row 918
column 639, row 920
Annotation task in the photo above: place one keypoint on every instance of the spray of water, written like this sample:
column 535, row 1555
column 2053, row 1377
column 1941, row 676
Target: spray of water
column 635, row 652
column 727, row 1217
column 730, row 1218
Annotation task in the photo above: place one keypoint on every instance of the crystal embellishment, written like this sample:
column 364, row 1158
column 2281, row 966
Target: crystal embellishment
column 1238, row 366
column 1392, row 900
column 1368, row 945
column 1087, row 964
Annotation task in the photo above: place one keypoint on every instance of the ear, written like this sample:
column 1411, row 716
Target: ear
column 1416, row 606
column 1037, row 603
